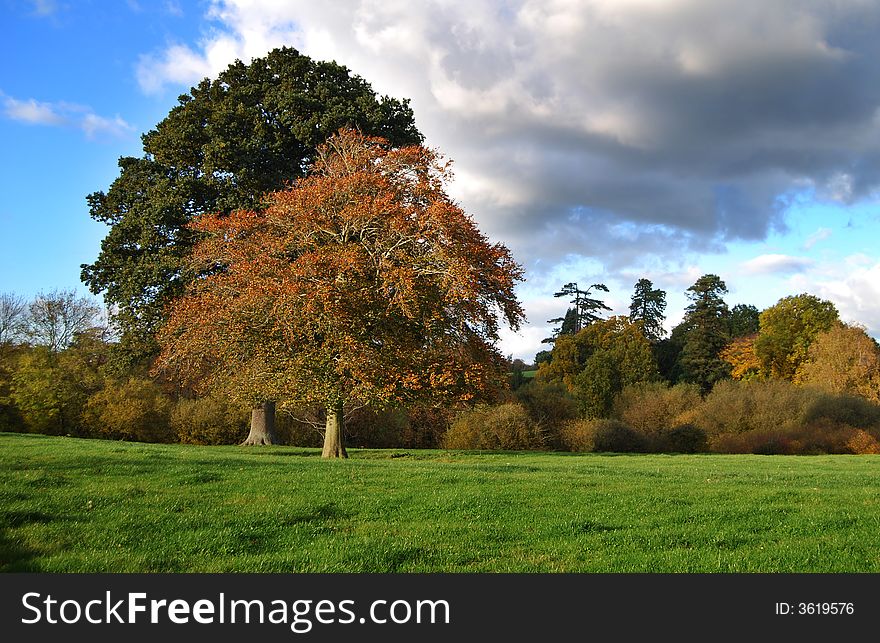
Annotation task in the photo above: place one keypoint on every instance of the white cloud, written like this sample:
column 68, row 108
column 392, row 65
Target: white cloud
column 173, row 7
column 775, row 264
column 94, row 126
column 854, row 287
column 33, row 112
column 819, row 235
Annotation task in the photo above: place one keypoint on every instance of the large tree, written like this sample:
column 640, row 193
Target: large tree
column 361, row 284
column 786, row 331
column 707, row 332
column 744, row 320
column 226, row 144
column 647, row 307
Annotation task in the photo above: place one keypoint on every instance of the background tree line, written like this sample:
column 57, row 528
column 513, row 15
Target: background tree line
column 790, row 379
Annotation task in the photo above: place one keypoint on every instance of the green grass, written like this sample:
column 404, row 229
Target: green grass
column 71, row 505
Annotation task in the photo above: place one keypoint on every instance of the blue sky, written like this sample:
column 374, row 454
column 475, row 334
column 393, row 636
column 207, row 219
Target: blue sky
column 601, row 140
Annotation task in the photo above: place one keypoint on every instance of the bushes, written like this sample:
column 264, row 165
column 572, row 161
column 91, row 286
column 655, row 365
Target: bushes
column 549, row 405
column 135, row 409
column 579, row 435
column 863, row 442
column 652, row 408
column 611, row 435
column 210, row 420
column 603, row 435
column 505, row 427
column 739, row 407
column 778, row 417
column 685, row 438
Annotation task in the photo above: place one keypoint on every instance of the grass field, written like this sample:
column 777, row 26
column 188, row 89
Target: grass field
column 71, row 505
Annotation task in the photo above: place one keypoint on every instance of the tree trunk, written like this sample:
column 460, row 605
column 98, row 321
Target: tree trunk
column 334, row 447
column 262, row 425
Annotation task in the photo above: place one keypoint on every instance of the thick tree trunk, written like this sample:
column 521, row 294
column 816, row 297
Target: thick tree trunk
column 334, row 447
column 262, row 425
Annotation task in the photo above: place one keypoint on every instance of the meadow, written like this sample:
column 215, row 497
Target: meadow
column 77, row 505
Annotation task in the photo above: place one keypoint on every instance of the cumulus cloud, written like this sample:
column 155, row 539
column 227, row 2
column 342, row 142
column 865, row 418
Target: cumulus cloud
column 854, row 287
column 633, row 132
column 33, row 112
column 567, row 119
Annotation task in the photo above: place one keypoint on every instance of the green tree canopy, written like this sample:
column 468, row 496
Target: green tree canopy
column 226, row 144
column 743, row 320
column 599, row 361
column 786, row 331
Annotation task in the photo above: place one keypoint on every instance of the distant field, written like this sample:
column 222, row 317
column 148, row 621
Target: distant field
column 70, row 505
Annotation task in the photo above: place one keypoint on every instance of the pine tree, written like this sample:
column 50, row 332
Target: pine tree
column 647, row 308
column 707, row 319
column 585, row 312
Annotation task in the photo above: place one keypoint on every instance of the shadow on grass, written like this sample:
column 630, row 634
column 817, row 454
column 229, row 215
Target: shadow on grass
column 14, row 556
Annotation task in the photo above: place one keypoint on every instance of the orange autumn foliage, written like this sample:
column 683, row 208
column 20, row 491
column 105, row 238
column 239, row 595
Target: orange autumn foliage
column 362, row 282
column 740, row 354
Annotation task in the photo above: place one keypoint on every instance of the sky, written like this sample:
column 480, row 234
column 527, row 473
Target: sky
column 602, row 141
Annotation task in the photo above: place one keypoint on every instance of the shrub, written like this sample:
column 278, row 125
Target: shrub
column 614, row 436
column 210, row 420
column 862, row 443
column 578, row 435
column 653, row 407
column 504, row 427
column 134, row 409
column 685, row 438
column 842, row 409
column 739, row 407
column 550, row 406
column 821, row 436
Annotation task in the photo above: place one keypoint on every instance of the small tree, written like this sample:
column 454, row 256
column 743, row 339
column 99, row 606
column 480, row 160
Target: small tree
column 362, row 284
column 740, row 354
column 13, row 310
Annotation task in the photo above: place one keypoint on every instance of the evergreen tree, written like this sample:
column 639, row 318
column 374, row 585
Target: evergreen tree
column 647, row 309
column 707, row 319
column 743, row 320
column 585, row 312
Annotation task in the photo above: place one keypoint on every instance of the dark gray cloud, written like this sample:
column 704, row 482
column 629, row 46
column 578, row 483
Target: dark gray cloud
column 693, row 119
